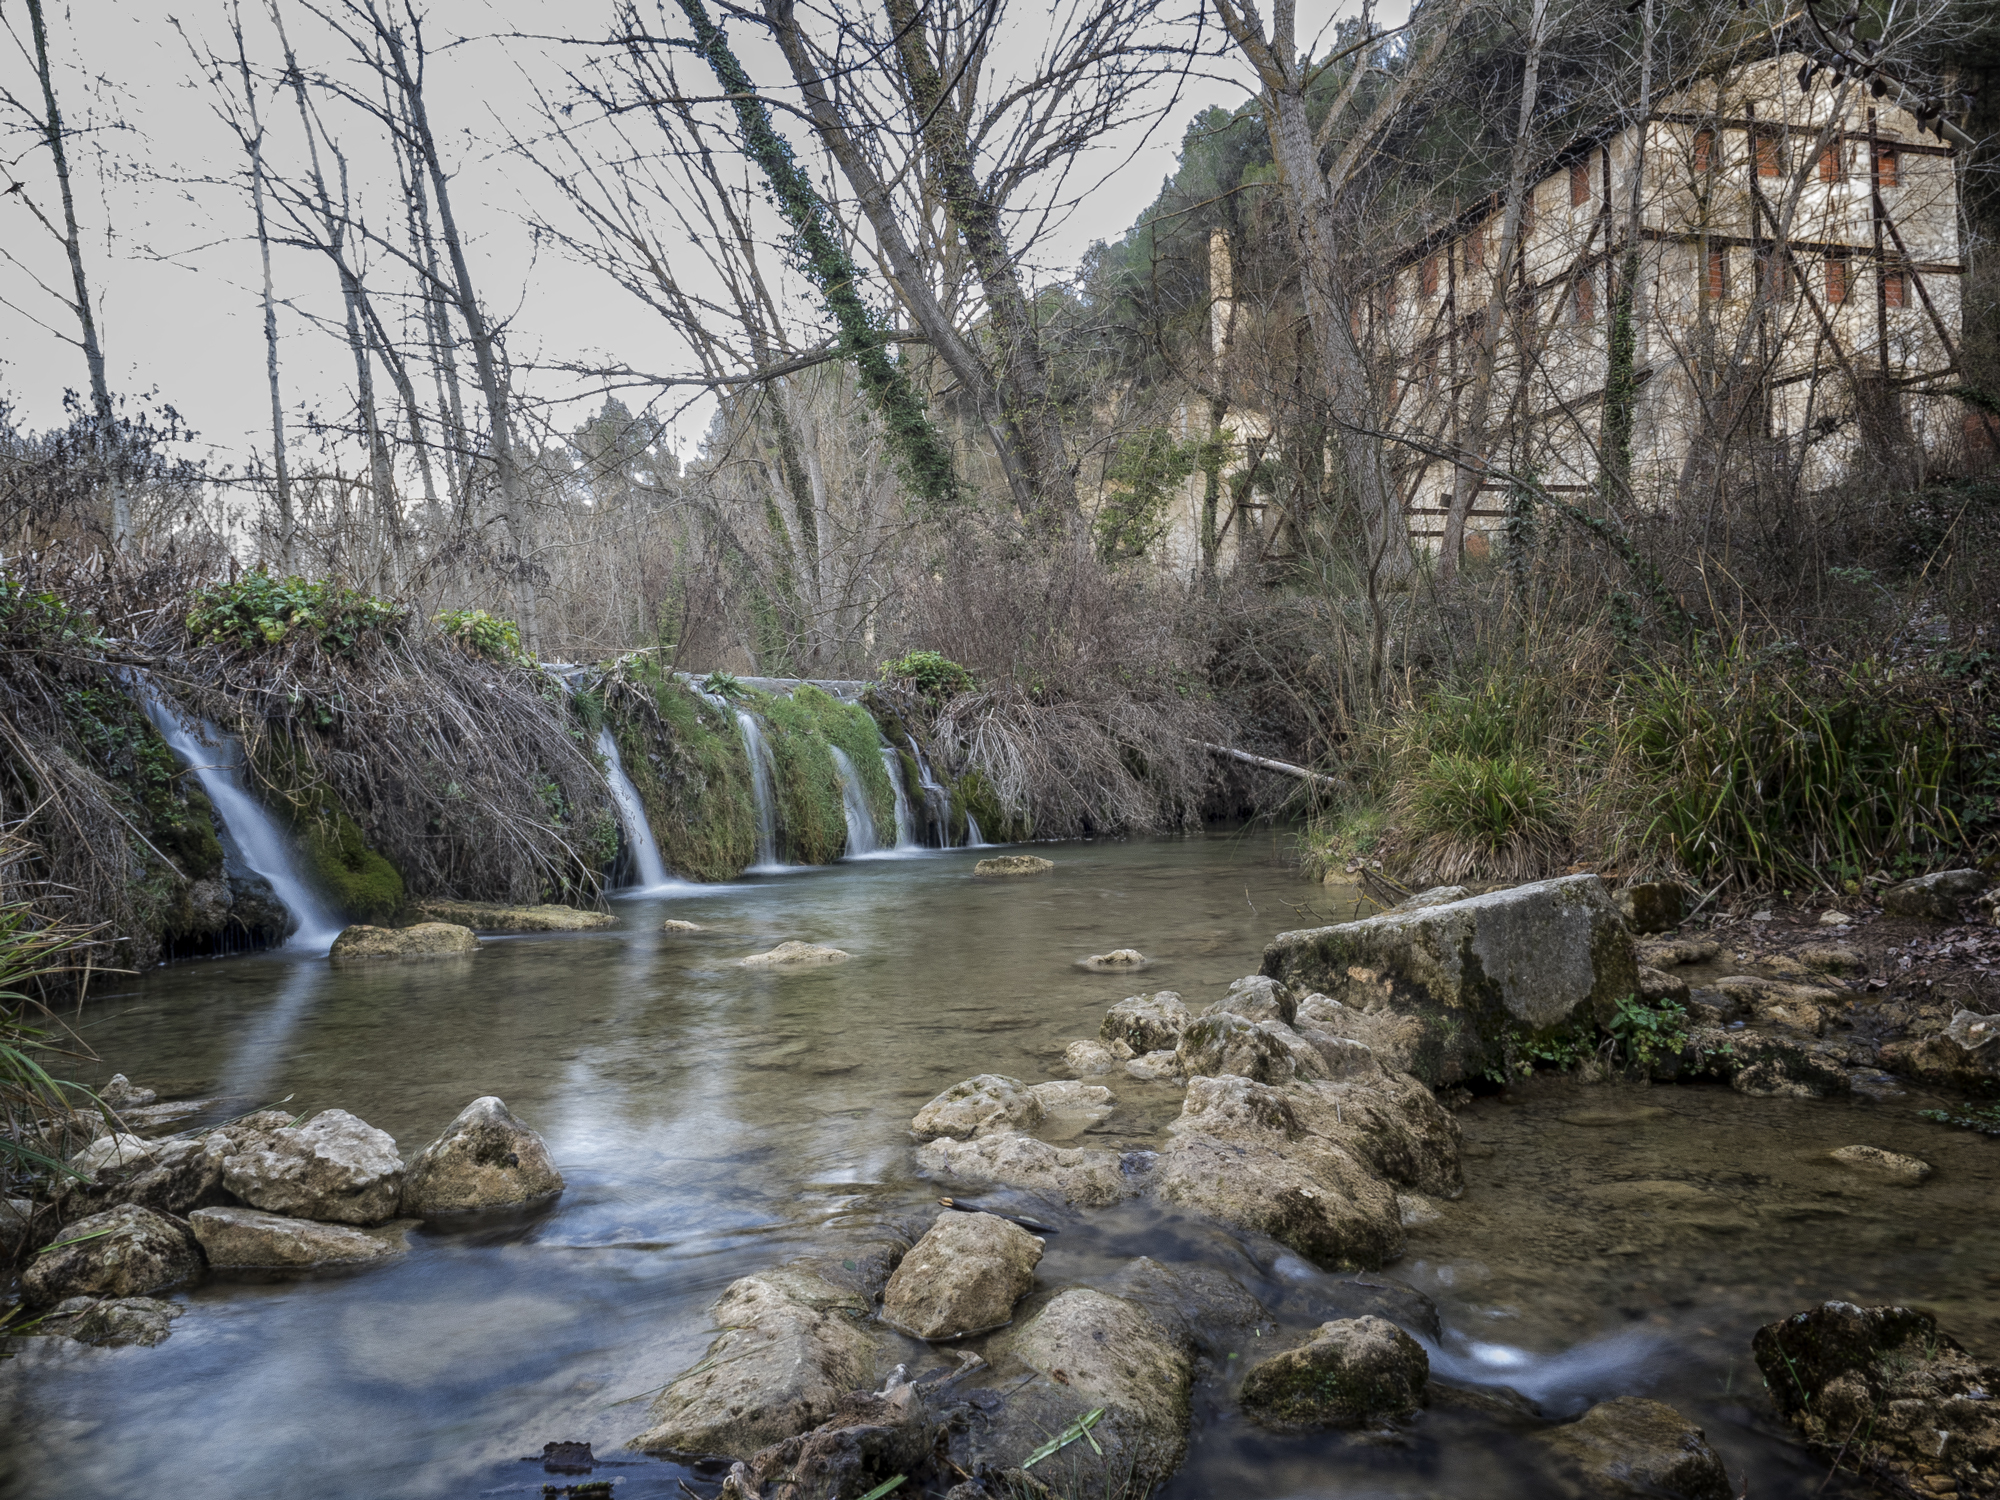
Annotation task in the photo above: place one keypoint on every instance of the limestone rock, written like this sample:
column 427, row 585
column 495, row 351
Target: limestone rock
column 1088, row 1059
column 117, row 1150
column 964, row 1276
column 1927, row 1406
column 1156, row 1067
column 869, row 1439
column 1875, row 1162
column 243, row 1237
column 1833, row 958
column 363, row 944
column 1146, row 1023
column 1391, row 1124
column 1672, row 953
column 111, row 1322
column 1803, row 1008
column 1069, row 1109
column 1936, row 897
column 1256, row 998
column 1337, row 1030
column 1631, row 1446
column 1240, row 1153
column 1768, row 1064
column 675, row 924
column 17, row 1217
column 1014, row 864
column 1476, row 972
column 1086, row 1178
column 1117, row 961
column 486, row 1158
column 984, row 1105
column 173, row 1176
column 484, row 916
column 1437, row 895
column 1267, row 1051
column 792, row 1344
column 121, row 1093
column 1652, row 905
column 1351, row 1373
column 123, row 1252
column 1208, row 1308
column 1966, row 1054
column 334, row 1167
column 1657, row 986
column 791, row 955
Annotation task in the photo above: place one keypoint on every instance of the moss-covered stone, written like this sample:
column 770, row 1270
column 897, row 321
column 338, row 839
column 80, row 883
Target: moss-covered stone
column 812, row 822
column 1350, row 1373
column 686, row 759
column 361, row 885
column 853, row 730
column 974, row 793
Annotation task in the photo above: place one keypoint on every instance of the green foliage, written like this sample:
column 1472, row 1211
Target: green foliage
column 685, row 757
column 1139, row 480
column 42, row 621
column 922, row 454
column 484, row 635
column 849, row 726
column 1647, row 1034
column 928, row 673
column 973, row 793
column 812, row 820
column 361, row 885
column 260, row 610
column 1484, row 801
column 1753, row 767
column 1984, row 1118
column 723, row 685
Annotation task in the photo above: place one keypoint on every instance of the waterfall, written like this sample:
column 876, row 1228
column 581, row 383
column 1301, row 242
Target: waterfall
column 632, row 817
column 906, row 821
column 974, row 839
column 760, row 785
column 217, row 760
column 854, row 805
column 936, row 798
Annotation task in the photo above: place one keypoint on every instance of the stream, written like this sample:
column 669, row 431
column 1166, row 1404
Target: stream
column 714, row 1120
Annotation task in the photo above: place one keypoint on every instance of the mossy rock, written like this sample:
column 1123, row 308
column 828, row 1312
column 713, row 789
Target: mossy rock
column 359, row 883
column 973, row 793
column 850, row 727
column 812, row 819
column 686, row 759
column 1350, row 1373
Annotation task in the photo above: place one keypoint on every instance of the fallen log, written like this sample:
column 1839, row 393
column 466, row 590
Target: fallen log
column 1265, row 763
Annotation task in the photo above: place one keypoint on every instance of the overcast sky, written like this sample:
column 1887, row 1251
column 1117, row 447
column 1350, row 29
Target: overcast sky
column 167, row 237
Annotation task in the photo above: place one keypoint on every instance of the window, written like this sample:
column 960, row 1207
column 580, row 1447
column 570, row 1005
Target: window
column 1527, row 213
column 1717, row 281
column 1831, row 166
column 1895, row 289
column 1579, row 182
column 1428, row 277
column 1836, row 279
column 1886, row 163
column 1475, row 247
column 1774, row 281
column 1770, row 154
column 1584, row 300
column 1704, row 150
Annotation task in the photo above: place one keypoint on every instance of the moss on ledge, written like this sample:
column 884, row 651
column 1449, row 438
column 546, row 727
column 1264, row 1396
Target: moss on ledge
column 686, row 759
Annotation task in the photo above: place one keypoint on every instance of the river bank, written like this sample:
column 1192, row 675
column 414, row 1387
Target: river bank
column 715, row 1121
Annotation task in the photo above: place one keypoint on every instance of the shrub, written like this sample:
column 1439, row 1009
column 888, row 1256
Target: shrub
column 928, row 673
column 484, row 635
column 260, row 610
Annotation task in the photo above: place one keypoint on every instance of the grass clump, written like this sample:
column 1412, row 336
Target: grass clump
column 1497, row 816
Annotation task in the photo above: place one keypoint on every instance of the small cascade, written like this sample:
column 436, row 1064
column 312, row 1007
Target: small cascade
column 854, row 806
column 906, row 820
column 760, row 785
column 632, row 817
column 937, row 798
column 974, row 839
column 217, row 761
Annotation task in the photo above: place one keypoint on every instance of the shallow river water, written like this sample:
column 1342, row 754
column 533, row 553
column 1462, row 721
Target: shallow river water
column 714, row 1120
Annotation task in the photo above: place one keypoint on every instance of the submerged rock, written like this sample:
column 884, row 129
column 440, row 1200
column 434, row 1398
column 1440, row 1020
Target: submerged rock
column 792, row 1344
column 122, row 1093
column 1086, row 1178
column 124, row 1252
column 1477, row 972
column 247, row 1237
column 1928, row 1409
column 1118, row 960
column 675, row 924
column 334, row 1167
column 362, row 944
column 1876, row 1162
column 1631, row 1446
column 1208, row 1308
column 794, row 955
column 1351, row 1373
column 1014, row 864
column 1069, row 1109
column 984, row 1105
column 111, row 1322
column 1936, row 897
column 486, row 1158
column 964, row 1276
column 1145, row 1023
column 482, row 916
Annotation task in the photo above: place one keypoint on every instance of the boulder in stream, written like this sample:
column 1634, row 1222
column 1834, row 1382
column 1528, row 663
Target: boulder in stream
column 794, row 955
column 486, row 1158
column 984, row 1105
column 334, row 1167
column 1145, row 1023
column 1936, row 897
column 1965, row 1055
column 121, row 1093
column 124, row 1252
column 111, row 1322
column 484, row 916
column 1258, row 998
column 1089, row 1059
column 1884, row 1387
column 1070, row 1108
column 1530, row 960
column 1013, row 864
column 171, row 1176
column 964, row 1276
column 1890, row 1166
column 1352, row 1373
column 364, row 944
column 1117, row 961
column 1264, row 1051
column 868, row 1440
column 1075, row 1175
column 248, row 1237
column 1632, row 1446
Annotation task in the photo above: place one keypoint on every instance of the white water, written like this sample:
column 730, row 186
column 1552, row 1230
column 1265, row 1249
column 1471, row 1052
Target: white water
column 653, row 873
column 936, row 798
column 216, row 760
column 974, row 839
column 760, row 786
column 906, row 820
column 854, row 806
